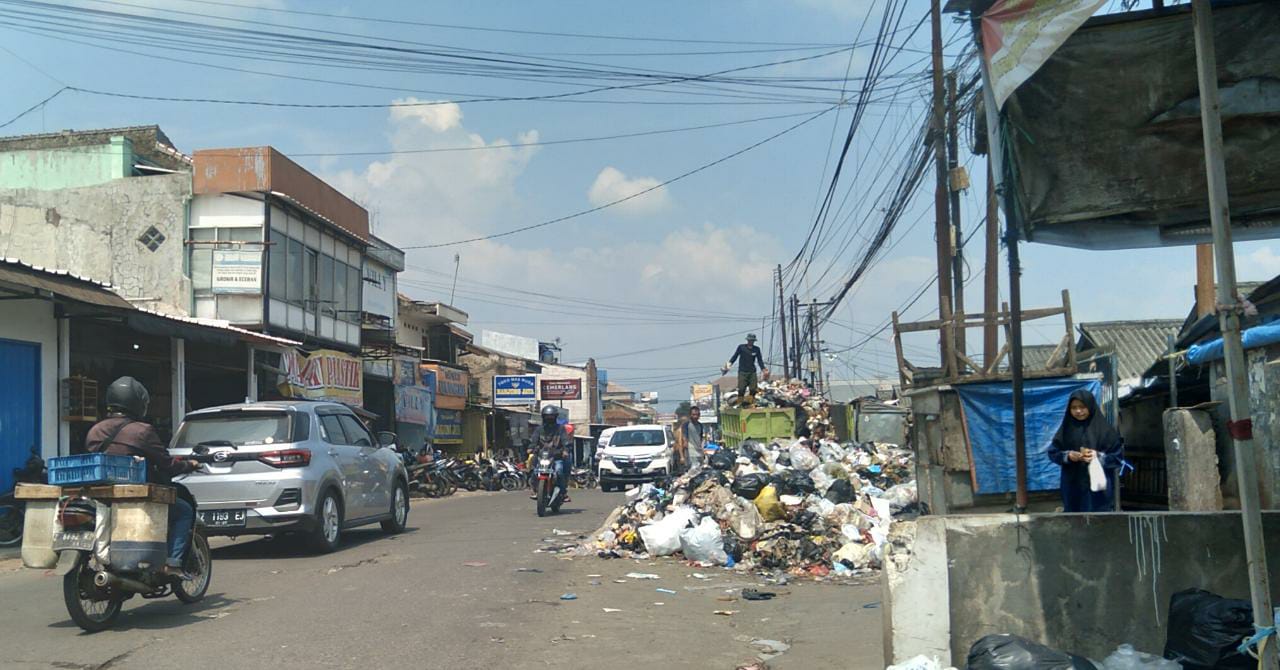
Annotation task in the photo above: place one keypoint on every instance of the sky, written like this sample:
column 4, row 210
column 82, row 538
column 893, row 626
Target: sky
column 658, row 288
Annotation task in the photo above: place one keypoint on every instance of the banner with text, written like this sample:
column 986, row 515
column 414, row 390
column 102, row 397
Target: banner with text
column 515, row 389
column 451, row 386
column 448, row 426
column 323, row 375
column 562, row 389
column 237, row 271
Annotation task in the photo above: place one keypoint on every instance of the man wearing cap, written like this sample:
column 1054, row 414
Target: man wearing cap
column 747, row 355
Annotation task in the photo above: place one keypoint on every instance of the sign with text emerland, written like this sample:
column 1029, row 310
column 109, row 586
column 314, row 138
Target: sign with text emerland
column 515, row 390
column 562, row 389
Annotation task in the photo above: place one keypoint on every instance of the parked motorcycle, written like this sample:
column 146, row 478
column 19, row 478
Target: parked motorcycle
column 583, row 478
column 546, row 490
column 13, row 512
column 510, row 477
column 94, row 591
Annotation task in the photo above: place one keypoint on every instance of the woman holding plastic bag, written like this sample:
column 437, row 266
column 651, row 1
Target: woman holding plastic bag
column 1089, row 450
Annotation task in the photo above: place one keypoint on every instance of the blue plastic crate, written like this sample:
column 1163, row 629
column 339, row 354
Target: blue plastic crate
column 96, row 469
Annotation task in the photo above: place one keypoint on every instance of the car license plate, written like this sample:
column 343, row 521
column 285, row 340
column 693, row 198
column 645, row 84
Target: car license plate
column 81, row 540
column 222, row 518
column 631, row 471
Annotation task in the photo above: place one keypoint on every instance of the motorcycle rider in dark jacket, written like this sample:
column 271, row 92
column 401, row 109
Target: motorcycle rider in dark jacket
column 551, row 435
column 124, row 433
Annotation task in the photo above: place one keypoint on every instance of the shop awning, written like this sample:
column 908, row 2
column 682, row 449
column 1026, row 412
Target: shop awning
column 27, row 278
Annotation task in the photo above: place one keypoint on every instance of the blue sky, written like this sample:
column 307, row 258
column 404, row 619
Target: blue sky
column 706, row 244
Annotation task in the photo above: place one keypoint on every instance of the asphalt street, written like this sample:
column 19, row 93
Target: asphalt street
column 464, row 587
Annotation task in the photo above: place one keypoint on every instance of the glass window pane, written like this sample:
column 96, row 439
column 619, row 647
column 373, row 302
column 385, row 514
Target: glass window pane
column 202, row 234
column 295, row 271
column 354, row 286
column 202, row 267
column 276, row 268
column 340, row 290
column 309, row 295
column 325, row 278
column 356, row 434
column 331, row 430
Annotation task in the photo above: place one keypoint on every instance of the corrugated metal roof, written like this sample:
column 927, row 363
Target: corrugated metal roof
column 1137, row 344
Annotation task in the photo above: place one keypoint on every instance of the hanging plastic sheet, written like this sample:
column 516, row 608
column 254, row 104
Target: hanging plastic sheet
column 1258, row 336
column 988, row 412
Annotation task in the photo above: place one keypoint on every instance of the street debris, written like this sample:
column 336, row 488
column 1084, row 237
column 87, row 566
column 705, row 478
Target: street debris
column 475, row 564
column 815, row 509
column 569, row 596
column 767, row 649
column 557, row 531
column 753, row 594
column 610, row 610
column 919, row 663
column 758, row 665
column 726, row 612
column 529, row 570
column 668, row 591
column 641, row 575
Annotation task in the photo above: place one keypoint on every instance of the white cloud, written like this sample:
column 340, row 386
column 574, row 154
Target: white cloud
column 1261, row 263
column 612, row 185
column 440, row 116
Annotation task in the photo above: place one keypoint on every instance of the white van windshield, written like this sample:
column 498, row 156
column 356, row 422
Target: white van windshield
column 638, row 438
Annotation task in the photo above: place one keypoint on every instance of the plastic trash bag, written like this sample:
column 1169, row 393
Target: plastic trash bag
column 803, row 459
column 902, row 495
column 770, row 507
column 830, row 452
column 723, row 460
column 744, row 519
column 821, row 480
column 840, row 492
column 662, row 538
column 704, row 543
column 1125, row 657
column 749, row 486
column 918, row 663
column 1205, row 629
column 1010, row 652
column 794, row 483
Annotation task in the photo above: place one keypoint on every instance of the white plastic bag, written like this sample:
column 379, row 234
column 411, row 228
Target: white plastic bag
column 662, row 538
column 1097, row 477
column 744, row 519
column 704, row 543
column 1125, row 657
column 919, row 663
column 802, row 459
column 830, row 452
column 901, row 495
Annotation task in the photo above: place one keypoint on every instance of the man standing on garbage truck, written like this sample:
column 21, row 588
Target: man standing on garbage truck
column 747, row 355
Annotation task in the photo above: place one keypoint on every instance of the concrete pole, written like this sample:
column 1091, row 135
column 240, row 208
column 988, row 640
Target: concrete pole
column 178, row 379
column 251, row 377
column 1240, row 426
column 782, row 323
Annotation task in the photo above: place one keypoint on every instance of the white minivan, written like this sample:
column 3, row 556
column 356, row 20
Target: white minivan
column 634, row 455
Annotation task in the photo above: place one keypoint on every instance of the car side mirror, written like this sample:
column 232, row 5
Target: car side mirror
column 387, row 438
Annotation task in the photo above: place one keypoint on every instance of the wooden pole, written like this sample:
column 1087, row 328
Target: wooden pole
column 991, row 283
column 782, row 322
column 957, row 234
column 1204, row 280
column 942, row 223
column 1240, row 426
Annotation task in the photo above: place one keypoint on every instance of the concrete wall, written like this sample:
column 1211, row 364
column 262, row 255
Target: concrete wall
column 32, row 321
column 70, row 167
column 93, row 231
column 1264, row 398
column 1076, row 582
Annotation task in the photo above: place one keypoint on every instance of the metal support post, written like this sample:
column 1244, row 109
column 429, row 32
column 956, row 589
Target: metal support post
column 782, row 322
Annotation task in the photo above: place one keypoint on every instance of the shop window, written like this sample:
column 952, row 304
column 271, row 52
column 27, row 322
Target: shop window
column 202, row 259
column 324, row 277
column 354, row 286
column 151, row 238
column 340, row 290
column 277, row 268
column 295, row 271
column 309, row 287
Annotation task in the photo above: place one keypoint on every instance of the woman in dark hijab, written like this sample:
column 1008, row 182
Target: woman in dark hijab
column 1086, row 436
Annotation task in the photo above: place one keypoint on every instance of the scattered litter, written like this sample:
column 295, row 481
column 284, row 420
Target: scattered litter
column 525, row 569
column 595, row 575
column 610, row 610
column 918, row 663
column 569, row 596
column 699, row 575
column 498, row 640
column 753, row 594
column 871, row 606
column 475, row 564
column 726, row 599
column 641, row 575
column 726, row 612
column 557, row 531
column 758, row 665
column 619, row 581
column 595, row 582
column 668, row 591
column 767, row 649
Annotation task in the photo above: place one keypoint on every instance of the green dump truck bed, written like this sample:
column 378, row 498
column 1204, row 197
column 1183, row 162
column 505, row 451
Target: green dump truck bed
column 737, row 425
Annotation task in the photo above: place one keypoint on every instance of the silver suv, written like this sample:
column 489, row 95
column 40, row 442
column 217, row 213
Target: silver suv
column 300, row 466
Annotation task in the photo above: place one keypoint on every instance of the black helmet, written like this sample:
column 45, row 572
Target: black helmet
column 550, row 413
column 128, row 396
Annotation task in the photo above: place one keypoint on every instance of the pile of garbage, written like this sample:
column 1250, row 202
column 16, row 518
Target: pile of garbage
column 792, row 508
column 809, row 406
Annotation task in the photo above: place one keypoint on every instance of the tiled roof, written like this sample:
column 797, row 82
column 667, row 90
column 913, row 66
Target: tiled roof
column 1137, row 344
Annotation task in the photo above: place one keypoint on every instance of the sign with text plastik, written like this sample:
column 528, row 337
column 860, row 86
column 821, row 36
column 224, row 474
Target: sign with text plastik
column 323, row 375
column 562, row 389
column 515, row 390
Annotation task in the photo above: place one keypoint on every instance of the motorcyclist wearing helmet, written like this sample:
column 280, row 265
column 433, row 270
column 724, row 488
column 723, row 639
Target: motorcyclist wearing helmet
column 551, row 435
column 125, row 433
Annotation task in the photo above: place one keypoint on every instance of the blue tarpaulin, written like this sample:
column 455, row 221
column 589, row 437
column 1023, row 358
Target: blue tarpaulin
column 988, row 413
column 1258, row 336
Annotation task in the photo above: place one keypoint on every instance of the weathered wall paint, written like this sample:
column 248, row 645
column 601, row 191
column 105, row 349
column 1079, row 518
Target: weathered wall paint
column 70, row 167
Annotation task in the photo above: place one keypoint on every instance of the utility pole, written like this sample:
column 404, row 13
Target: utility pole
column 795, row 335
column 991, row 282
column 942, row 225
column 957, row 233
column 1240, row 426
column 782, row 322
column 809, row 345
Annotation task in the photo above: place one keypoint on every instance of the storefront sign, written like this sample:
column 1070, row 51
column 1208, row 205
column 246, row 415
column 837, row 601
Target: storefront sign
column 323, row 375
column 703, row 396
column 562, row 389
column 237, row 272
column 414, row 399
column 515, row 389
column 451, row 386
column 448, row 426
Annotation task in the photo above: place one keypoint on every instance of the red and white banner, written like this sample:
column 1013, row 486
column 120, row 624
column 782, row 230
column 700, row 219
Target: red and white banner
column 323, row 375
column 1018, row 36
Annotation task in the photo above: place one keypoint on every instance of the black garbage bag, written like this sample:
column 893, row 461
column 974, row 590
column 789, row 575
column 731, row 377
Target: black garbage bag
column 841, row 491
column 1205, row 629
column 794, row 483
column 708, row 474
column 733, row 545
column 723, row 460
column 1010, row 652
column 749, row 486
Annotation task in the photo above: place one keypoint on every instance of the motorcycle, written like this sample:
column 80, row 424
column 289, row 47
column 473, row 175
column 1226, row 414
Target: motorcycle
column 13, row 512
column 547, row 490
column 428, row 476
column 94, row 591
column 510, row 477
column 583, row 478
column 462, row 474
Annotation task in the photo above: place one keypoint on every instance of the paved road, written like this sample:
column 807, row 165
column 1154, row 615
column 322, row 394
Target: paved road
column 412, row 601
